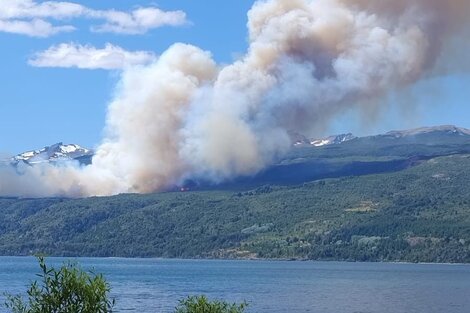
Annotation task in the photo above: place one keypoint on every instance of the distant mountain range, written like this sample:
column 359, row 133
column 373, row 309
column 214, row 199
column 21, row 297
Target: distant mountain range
column 437, row 135
column 302, row 141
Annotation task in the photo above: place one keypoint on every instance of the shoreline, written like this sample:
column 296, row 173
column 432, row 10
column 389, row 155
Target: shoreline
column 235, row 259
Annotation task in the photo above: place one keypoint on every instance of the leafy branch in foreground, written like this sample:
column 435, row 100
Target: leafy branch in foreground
column 65, row 290
column 200, row 304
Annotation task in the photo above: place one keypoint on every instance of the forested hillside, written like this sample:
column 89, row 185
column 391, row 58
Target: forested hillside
column 421, row 213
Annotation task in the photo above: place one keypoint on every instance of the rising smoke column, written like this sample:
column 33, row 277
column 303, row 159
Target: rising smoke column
column 307, row 61
column 183, row 117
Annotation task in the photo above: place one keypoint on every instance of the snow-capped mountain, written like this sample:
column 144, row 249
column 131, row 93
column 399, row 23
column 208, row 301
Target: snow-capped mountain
column 332, row 140
column 55, row 153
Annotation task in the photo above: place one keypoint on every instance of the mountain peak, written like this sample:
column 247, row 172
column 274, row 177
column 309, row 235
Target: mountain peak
column 53, row 153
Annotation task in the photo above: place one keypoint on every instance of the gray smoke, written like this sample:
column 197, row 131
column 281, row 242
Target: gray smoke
column 308, row 60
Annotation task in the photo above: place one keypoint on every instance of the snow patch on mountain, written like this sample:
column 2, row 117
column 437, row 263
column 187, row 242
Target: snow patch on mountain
column 300, row 140
column 332, row 140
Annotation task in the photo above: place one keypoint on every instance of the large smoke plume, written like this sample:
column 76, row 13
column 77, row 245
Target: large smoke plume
column 185, row 117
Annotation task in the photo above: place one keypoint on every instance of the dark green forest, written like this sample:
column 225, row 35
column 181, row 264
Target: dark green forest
column 417, row 212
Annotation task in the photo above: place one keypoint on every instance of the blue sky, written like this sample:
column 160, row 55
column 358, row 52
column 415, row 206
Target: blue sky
column 40, row 105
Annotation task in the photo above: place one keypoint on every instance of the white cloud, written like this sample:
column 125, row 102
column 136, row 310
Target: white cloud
column 69, row 55
column 33, row 28
column 138, row 21
column 24, row 9
column 23, row 16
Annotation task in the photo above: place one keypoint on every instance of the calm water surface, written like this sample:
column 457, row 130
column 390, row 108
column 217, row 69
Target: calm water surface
column 154, row 285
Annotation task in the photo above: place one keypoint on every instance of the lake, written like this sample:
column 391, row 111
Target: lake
column 155, row 285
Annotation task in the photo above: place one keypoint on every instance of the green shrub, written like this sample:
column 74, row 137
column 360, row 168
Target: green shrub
column 65, row 290
column 200, row 304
